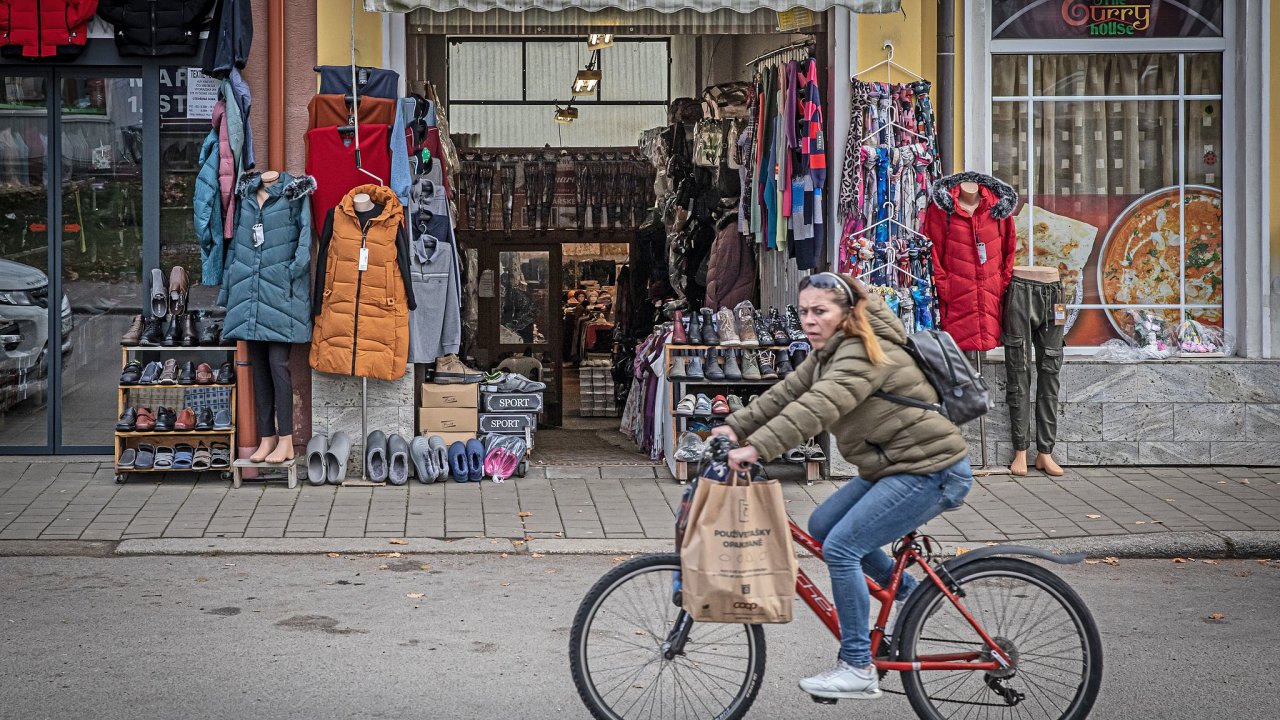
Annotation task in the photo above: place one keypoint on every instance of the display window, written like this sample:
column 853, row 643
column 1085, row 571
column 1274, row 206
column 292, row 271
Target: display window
column 1118, row 161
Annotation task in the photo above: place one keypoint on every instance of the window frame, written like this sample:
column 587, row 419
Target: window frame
column 980, row 50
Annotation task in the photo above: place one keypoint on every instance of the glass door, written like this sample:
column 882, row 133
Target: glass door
column 70, row 261
column 521, row 287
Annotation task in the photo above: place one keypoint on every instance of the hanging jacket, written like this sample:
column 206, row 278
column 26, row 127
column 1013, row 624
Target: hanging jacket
column 44, row 29
column 436, row 325
column 971, row 292
column 230, row 37
column 266, row 286
column 833, row 390
column 731, row 272
column 226, row 167
column 207, row 203
column 331, row 160
column 362, row 317
column 146, row 27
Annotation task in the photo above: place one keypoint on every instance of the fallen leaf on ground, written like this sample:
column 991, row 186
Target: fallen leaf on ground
column 524, row 513
column 517, row 543
column 1141, row 522
column 1217, row 616
column 528, row 537
column 505, row 584
column 384, row 566
column 1092, row 562
column 549, row 571
column 1246, row 482
column 1113, row 561
column 1157, row 522
column 424, row 567
column 961, row 551
column 398, row 541
column 991, row 544
column 1243, row 573
column 1222, row 482
column 559, row 534
column 536, row 555
column 620, row 558
column 1179, row 560
column 332, row 555
column 1208, row 562
column 504, row 555
column 202, row 579
column 415, row 595
column 389, row 555
column 1091, row 516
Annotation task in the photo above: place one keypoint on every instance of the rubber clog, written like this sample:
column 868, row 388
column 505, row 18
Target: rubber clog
column 316, row 448
column 183, row 456
column 475, row 460
column 420, row 456
column 458, row 466
column 146, row 457
column 439, row 457
column 335, row 458
column 375, row 456
column 397, row 460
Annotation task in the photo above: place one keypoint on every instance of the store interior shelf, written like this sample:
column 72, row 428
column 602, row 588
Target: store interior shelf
column 171, row 470
column 177, row 348
column 175, row 385
column 170, row 433
column 687, row 381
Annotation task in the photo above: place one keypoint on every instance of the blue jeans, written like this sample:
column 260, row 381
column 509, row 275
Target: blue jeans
column 857, row 520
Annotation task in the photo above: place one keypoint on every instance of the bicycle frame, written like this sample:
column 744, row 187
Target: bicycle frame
column 826, row 611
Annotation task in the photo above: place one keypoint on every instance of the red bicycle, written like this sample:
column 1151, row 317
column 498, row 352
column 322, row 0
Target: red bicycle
column 984, row 634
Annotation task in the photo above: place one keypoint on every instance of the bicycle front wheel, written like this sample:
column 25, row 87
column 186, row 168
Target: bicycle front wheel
column 621, row 659
column 1039, row 622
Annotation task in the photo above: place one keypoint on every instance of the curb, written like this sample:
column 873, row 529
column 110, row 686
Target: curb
column 1224, row 545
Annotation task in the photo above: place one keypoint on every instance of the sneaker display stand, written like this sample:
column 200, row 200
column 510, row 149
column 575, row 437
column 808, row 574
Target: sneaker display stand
column 813, row 469
column 196, row 396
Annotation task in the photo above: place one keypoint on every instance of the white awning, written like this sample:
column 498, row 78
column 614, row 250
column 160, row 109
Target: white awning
column 666, row 6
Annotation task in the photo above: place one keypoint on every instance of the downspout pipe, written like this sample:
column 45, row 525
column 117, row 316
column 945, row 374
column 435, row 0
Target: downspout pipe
column 944, row 87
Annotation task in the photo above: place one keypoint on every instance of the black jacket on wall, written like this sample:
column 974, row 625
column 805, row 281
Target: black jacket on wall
column 230, row 37
column 147, row 27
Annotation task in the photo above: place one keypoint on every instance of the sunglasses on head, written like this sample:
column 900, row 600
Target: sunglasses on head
column 828, row 281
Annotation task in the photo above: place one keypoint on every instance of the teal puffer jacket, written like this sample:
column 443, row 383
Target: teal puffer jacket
column 267, row 288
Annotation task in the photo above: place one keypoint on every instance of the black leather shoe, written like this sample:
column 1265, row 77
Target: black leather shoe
column 188, row 374
column 204, row 421
column 173, row 335
column 151, row 374
column 131, row 373
column 226, row 374
column 152, row 331
column 165, row 418
column 189, row 333
column 128, row 419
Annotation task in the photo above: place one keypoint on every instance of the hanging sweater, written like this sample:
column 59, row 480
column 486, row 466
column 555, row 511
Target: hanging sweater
column 331, row 160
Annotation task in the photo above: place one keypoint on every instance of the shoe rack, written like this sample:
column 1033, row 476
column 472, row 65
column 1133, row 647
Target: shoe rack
column 170, row 438
column 681, row 386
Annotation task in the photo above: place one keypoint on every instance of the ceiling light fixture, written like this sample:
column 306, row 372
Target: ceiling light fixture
column 586, row 82
column 566, row 115
column 595, row 41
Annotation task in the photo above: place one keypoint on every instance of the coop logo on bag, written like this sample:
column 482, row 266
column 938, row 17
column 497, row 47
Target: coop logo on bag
column 745, row 606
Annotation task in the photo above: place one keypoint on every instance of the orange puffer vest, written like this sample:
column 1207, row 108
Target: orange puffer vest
column 363, row 326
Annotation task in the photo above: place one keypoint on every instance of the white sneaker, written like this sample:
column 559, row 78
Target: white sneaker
column 844, row 682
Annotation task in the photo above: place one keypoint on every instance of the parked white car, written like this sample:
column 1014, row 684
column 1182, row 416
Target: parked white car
column 24, row 302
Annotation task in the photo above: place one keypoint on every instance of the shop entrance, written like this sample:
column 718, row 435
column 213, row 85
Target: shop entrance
column 71, row 252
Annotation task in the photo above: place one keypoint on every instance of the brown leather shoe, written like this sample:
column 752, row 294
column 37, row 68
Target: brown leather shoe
column 146, row 421
column 179, row 286
column 189, row 333
column 204, row 374
column 186, row 420
column 169, row 375
column 133, row 335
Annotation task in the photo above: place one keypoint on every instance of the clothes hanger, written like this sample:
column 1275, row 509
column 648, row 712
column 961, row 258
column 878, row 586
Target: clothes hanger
column 891, row 124
column 891, row 268
column 889, row 63
column 889, row 207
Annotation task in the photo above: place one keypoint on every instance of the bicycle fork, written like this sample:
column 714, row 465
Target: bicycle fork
column 679, row 635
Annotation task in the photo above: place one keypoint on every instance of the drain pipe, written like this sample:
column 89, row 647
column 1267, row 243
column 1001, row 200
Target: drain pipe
column 944, row 87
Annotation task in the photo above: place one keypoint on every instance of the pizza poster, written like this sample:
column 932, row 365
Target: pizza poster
column 1128, row 250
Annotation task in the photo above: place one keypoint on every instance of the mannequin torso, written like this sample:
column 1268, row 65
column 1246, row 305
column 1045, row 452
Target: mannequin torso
column 269, row 178
column 969, row 197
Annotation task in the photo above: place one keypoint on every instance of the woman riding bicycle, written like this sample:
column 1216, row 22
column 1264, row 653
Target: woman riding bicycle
column 913, row 463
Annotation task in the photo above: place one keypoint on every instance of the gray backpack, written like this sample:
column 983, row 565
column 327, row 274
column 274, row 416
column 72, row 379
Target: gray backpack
column 963, row 393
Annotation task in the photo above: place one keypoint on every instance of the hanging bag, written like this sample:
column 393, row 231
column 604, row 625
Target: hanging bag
column 708, row 143
column 736, row 560
column 963, row 393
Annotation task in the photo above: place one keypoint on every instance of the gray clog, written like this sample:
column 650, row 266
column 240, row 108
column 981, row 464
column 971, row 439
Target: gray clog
column 335, row 458
column 315, row 458
column 397, row 460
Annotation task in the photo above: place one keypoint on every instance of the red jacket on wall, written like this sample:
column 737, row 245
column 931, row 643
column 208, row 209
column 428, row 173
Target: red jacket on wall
column 49, row 29
column 971, row 292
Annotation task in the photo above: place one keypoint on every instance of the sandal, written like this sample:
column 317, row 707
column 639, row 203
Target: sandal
column 686, row 406
column 219, row 455
column 182, row 456
column 146, row 457
column 796, row 455
column 127, row 458
column 813, row 451
column 164, row 457
column 201, row 459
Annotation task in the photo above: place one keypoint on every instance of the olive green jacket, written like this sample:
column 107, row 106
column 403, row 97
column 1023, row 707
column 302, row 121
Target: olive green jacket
column 832, row 391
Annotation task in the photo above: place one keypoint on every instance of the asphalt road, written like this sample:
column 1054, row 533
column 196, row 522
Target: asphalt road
column 320, row 637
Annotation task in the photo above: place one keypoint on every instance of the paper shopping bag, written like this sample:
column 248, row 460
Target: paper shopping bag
column 737, row 563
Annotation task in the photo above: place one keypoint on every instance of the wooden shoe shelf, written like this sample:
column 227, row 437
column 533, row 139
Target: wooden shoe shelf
column 681, row 386
column 131, row 438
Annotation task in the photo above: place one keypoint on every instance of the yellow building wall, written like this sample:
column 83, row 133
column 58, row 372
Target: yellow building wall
column 914, row 34
column 333, row 34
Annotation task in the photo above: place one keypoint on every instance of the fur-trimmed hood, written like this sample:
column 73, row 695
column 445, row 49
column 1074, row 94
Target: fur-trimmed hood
column 1006, row 196
column 294, row 188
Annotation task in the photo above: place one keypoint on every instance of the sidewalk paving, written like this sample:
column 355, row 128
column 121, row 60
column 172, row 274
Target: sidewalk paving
column 77, row 499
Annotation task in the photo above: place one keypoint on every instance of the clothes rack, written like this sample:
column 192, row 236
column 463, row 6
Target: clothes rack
column 807, row 44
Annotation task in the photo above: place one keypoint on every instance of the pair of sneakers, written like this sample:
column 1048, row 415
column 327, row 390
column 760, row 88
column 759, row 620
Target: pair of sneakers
column 702, row 405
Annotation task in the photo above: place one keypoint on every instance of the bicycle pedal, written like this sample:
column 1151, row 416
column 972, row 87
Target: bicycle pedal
column 824, row 700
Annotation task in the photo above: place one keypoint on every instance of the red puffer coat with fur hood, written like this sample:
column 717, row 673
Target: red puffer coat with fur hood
column 46, row 30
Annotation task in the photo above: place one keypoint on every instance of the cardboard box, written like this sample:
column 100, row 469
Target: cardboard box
column 512, row 402
column 451, row 438
column 451, row 420
column 449, row 396
column 507, row 423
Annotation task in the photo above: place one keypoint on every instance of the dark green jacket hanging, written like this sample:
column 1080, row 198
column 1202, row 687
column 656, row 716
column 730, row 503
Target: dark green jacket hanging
column 267, row 286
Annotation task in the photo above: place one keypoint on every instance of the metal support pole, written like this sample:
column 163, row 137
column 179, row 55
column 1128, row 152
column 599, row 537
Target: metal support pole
column 944, row 92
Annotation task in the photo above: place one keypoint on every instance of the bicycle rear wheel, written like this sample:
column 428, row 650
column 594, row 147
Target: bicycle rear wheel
column 617, row 645
column 1040, row 622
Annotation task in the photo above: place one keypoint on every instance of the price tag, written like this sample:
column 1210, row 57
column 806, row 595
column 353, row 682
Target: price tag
column 1059, row 314
column 982, row 253
column 364, row 259
column 259, row 236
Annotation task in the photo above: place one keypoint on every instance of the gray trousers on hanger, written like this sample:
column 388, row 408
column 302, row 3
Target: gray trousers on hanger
column 1029, row 322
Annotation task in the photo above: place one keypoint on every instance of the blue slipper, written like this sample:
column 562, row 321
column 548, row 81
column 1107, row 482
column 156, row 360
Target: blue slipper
column 183, row 456
column 458, row 462
column 475, row 460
